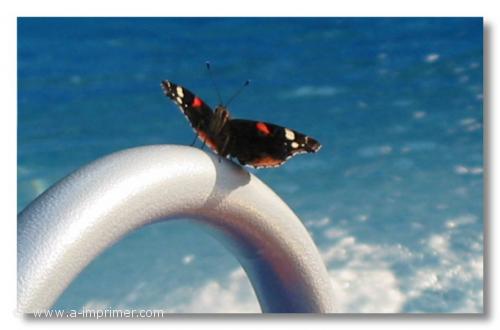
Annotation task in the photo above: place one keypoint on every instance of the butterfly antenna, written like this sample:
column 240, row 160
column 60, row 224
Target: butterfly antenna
column 238, row 92
column 213, row 82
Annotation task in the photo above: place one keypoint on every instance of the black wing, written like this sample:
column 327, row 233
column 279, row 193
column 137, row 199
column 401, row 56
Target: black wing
column 197, row 112
column 260, row 144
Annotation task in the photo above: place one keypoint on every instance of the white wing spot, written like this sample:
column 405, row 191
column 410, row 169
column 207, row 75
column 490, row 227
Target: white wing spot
column 179, row 100
column 180, row 91
column 295, row 145
column 289, row 134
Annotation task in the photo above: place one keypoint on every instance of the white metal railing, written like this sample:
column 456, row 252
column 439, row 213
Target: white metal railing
column 66, row 227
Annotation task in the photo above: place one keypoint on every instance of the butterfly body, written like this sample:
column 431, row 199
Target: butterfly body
column 254, row 143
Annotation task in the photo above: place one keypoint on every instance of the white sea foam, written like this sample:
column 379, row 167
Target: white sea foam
column 363, row 217
column 310, row 91
column 39, row 186
column 419, row 114
column 334, row 233
column 418, row 146
column 463, row 79
column 363, row 276
column 474, row 65
column 463, row 170
column 187, row 259
column 470, row 124
column 439, row 244
column 317, row 223
column 462, row 220
column 375, row 151
column 366, row 282
column 135, row 293
column 234, row 296
column 366, row 291
column 96, row 305
column 431, row 58
column 454, row 272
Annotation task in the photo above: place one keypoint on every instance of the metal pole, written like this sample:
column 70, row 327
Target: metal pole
column 66, row 227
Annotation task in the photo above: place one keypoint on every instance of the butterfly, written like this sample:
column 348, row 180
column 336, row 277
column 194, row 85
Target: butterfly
column 253, row 143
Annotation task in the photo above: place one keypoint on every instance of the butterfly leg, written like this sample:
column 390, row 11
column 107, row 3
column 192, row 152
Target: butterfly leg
column 223, row 148
column 194, row 141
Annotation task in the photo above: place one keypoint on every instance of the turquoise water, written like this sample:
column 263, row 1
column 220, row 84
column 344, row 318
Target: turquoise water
column 393, row 199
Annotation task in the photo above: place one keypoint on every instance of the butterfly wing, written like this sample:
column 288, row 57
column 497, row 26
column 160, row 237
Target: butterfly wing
column 197, row 112
column 260, row 144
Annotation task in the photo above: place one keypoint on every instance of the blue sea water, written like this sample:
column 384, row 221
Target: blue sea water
column 394, row 199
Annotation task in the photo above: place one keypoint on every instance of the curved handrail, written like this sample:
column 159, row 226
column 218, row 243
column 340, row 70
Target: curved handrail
column 66, row 227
